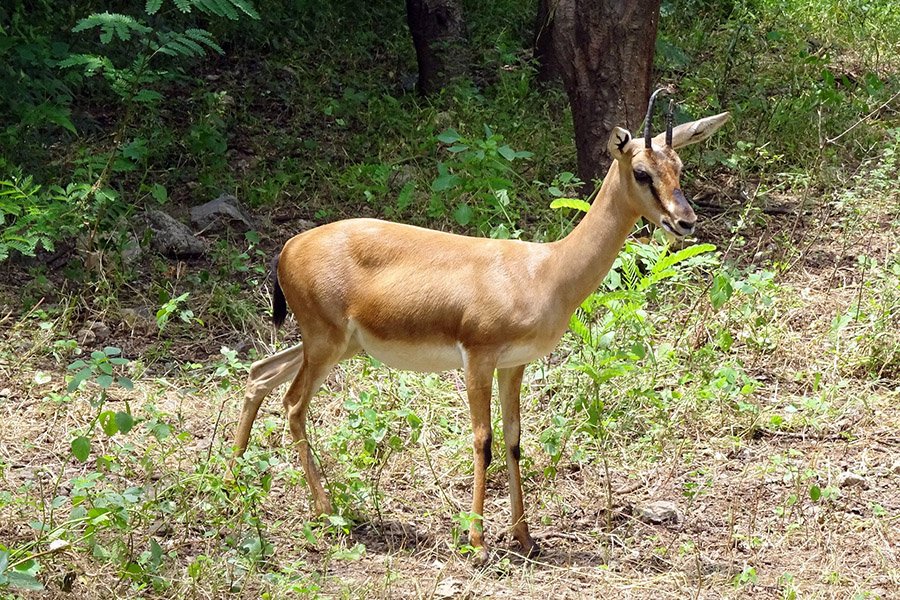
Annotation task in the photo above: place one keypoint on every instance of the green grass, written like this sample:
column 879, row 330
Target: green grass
column 741, row 386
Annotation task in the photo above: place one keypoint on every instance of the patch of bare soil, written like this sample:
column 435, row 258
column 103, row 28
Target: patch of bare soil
column 811, row 510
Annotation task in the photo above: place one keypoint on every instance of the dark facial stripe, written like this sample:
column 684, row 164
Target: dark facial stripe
column 656, row 197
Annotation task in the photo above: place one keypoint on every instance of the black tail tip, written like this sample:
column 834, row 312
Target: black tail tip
column 279, row 305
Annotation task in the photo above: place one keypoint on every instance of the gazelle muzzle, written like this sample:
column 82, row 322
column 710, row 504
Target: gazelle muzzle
column 680, row 218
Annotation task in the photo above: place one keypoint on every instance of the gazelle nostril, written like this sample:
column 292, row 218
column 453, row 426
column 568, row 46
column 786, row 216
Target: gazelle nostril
column 685, row 225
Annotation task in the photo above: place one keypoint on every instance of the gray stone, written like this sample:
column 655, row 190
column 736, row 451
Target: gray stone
column 139, row 320
column 399, row 178
column 661, row 512
column 131, row 250
column 172, row 237
column 851, row 479
column 85, row 337
column 224, row 211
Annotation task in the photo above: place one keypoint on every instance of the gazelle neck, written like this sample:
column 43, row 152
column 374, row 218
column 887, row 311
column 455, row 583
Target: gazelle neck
column 583, row 258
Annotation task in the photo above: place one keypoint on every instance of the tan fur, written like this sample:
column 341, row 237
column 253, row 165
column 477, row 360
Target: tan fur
column 430, row 300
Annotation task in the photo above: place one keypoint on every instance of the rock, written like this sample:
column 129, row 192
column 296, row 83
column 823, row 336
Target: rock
column 93, row 332
column 85, row 337
column 131, row 250
column 661, row 512
column 399, row 178
column 224, row 211
column 172, row 237
column 138, row 321
column 851, row 479
column 100, row 329
column 301, row 225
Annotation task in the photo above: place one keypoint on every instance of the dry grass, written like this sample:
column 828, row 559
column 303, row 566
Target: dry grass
column 749, row 526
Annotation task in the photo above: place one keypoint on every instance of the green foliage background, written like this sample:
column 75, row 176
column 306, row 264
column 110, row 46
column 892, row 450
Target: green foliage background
column 306, row 109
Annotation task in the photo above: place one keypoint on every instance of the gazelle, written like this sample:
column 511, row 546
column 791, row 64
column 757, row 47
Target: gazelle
column 426, row 300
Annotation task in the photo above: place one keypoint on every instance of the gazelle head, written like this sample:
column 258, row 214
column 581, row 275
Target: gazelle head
column 649, row 168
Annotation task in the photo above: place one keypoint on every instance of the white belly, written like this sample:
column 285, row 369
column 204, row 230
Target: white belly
column 433, row 357
column 412, row 356
column 520, row 354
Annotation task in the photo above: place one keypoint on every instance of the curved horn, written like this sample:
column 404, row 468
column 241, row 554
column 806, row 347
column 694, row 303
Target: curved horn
column 670, row 120
column 649, row 118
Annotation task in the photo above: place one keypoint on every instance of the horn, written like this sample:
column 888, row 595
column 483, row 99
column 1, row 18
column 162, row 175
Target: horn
column 670, row 120
column 649, row 118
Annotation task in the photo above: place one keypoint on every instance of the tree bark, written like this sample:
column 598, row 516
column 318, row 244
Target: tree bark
column 604, row 49
column 439, row 35
column 549, row 69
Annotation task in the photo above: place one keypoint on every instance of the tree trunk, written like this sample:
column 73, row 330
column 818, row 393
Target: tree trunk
column 439, row 36
column 549, row 69
column 604, row 49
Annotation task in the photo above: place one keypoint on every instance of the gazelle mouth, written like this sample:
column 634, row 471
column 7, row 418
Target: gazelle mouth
column 677, row 232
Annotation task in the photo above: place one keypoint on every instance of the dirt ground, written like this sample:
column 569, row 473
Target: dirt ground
column 750, row 531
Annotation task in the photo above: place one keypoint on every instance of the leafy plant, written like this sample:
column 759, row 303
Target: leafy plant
column 478, row 176
column 101, row 369
column 33, row 218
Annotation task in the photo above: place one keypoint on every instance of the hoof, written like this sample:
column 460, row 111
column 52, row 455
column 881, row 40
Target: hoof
column 481, row 556
column 530, row 548
column 532, row 551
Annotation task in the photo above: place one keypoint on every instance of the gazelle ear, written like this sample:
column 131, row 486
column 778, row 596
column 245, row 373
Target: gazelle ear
column 693, row 132
column 618, row 139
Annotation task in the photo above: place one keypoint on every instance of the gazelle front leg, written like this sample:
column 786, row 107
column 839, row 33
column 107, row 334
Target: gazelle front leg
column 479, row 377
column 510, row 384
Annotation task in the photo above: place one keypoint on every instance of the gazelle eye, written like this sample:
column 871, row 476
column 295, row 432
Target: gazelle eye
column 642, row 177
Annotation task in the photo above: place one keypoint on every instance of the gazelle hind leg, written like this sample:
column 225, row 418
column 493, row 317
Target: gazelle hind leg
column 318, row 361
column 265, row 375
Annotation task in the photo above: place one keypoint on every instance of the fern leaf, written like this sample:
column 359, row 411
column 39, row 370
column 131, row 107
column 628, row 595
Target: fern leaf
column 245, row 7
column 111, row 25
column 92, row 64
column 152, row 6
column 220, row 8
column 201, row 36
column 184, row 5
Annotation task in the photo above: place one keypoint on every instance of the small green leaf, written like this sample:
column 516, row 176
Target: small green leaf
column 24, row 581
column 463, row 214
column 104, row 381
column 444, row 182
column 125, row 383
column 81, row 448
column 159, row 193
column 156, row 552
column 108, row 422
column 574, row 203
column 147, row 96
column 815, row 492
column 449, row 136
column 309, row 534
column 112, row 351
column 124, row 421
column 78, row 378
column 721, row 290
